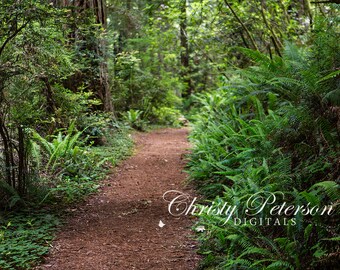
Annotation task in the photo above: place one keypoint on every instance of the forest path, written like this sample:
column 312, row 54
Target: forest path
column 119, row 227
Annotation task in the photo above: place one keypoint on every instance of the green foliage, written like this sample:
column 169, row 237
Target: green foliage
column 25, row 238
column 132, row 80
column 272, row 126
column 69, row 169
column 52, row 69
column 37, row 60
column 167, row 116
column 271, row 129
column 118, row 146
column 134, row 119
column 143, row 62
column 60, row 150
column 95, row 127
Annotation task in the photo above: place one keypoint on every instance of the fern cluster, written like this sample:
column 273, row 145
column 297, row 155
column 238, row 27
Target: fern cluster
column 274, row 127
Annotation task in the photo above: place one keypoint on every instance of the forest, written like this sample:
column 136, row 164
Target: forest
column 258, row 83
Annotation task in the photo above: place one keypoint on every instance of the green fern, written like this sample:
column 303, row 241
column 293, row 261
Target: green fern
column 59, row 150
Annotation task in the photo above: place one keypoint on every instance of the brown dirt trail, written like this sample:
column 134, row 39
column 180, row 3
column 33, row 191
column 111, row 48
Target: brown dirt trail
column 118, row 228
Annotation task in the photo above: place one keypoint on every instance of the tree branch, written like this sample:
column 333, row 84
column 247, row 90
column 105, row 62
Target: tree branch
column 12, row 36
column 243, row 25
column 326, row 2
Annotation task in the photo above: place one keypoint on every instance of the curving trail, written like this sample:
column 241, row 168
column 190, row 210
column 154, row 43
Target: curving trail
column 118, row 228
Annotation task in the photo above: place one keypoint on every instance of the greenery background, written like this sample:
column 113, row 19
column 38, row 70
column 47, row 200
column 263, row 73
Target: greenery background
column 259, row 81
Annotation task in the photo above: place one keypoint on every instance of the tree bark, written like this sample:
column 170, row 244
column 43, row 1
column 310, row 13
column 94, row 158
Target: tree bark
column 6, row 152
column 22, row 168
column 185, row 63
column 309, row 11
column 49, row 95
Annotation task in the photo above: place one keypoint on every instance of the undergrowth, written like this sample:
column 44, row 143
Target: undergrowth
column 272, row 131
column 69, row 168
column 25, row 237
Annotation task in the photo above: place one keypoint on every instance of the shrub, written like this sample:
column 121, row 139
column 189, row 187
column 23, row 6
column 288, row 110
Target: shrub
column 167, row 116
column 134, row 119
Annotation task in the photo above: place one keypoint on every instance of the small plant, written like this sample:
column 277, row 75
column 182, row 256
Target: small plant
column 134, row 119
column 61, row 153
column 69, row 169
column 95, row 125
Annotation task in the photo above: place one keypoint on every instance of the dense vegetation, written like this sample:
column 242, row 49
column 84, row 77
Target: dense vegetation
column 272, row 128
column 258, row 79
column 58, row 131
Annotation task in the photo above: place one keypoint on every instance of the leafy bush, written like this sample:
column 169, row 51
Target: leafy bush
column 95, row 127
column 60, row 151
column 134, row 119
column 167, row 116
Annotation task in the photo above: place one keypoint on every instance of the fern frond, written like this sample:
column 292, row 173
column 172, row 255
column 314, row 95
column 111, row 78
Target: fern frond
column 279, row 265
column 329, row 76
column 331, row 188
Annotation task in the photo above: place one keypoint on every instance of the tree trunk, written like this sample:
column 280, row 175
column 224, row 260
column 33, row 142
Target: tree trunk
column 7, row 151
column 101, row 85
column 47, row 92
column 309, row 12
column 22, row 164
column 185, row 64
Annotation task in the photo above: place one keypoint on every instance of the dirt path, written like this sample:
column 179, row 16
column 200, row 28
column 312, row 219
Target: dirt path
column 118, row 229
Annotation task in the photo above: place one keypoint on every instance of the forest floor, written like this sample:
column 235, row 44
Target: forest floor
column 118, row 228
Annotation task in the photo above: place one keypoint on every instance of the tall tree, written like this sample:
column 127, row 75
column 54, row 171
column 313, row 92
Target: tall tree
column 185, row 60
column 99, row 85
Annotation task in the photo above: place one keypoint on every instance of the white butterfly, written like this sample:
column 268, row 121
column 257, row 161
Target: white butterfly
column 161, row 224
